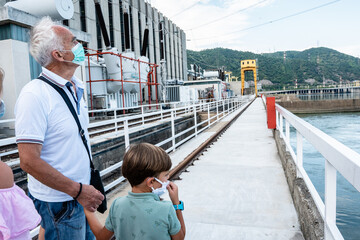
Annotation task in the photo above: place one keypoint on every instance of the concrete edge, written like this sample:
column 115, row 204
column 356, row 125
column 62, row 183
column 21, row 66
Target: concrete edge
column 311, row 222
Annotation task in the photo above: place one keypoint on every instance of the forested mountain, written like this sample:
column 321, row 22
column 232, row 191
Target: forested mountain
column 315, row 63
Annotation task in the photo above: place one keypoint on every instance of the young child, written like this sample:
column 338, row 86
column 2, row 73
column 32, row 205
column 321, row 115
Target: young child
column 141, row 214
column 17, row 212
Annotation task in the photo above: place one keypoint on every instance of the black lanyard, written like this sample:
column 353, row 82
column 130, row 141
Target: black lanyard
column 72, row 110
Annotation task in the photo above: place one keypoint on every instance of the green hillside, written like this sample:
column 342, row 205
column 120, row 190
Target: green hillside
column 315, row 63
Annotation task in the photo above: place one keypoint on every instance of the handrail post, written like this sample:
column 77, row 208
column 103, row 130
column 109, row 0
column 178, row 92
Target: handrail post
column 195, row 122
column 223, row 112
column 175, row 109
column 330, row 197
column 161, row 112
column 116, row 123
column 142, row 115
column 299, row 153
column 217, row 110
column 287, row 133
column 173, row 130
column 228, row 106
column 281, row 124
column 208, row 110
column 126, row 134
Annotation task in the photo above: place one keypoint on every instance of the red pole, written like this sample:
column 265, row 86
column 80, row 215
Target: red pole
column 156, row 88
column 271, row 112
column 149, row 85
column 140, row 92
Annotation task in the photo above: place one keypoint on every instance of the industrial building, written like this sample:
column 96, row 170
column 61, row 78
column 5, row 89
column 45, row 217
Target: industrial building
column 20, row 67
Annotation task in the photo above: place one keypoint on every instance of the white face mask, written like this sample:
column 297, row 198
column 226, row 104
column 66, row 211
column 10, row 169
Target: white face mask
column 79, row 54
column 160, row 191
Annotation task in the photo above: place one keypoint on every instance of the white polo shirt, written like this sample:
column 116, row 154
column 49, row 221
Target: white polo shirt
column 43, row 117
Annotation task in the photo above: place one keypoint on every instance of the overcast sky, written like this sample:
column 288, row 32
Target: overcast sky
column 263, row 26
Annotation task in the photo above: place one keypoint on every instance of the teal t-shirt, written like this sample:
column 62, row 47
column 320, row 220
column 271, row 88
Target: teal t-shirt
column 142, row 216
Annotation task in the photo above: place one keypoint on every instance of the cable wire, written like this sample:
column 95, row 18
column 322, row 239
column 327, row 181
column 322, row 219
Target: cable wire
column 201, row 62
column 269, row 22
column 231, row 14
column 186, row 9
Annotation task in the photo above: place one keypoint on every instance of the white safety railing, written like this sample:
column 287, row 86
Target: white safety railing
column 111, row 127
column 338, row 158
column 125, row 126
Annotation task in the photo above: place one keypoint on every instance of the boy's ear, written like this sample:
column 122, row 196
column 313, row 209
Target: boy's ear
column 150, row 181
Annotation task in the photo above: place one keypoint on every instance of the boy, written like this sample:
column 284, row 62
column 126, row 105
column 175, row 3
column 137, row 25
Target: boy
column 141, row 214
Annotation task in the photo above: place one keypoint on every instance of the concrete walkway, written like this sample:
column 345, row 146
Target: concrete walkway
column 237, row 189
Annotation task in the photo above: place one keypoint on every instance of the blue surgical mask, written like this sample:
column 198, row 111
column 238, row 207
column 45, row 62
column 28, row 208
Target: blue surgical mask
column 79, row 54
column 2, row 108
column 160, row 191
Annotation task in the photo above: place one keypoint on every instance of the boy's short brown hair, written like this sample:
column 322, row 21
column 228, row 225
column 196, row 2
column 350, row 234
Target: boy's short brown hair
column 144, row 160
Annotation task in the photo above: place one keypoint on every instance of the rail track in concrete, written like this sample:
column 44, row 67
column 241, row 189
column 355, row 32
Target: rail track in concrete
column 188, row 161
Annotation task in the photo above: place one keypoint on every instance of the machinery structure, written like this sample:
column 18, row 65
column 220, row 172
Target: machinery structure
column 122, row 84
column 131, row 51
column 248, row 65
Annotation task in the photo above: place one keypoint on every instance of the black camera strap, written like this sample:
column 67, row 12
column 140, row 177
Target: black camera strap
column 73, row 112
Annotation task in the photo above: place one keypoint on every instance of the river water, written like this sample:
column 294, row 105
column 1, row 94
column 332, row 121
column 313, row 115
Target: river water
column 344, row 127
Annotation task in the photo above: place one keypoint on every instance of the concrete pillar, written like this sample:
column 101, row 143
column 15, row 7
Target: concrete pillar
column 151, row 25
column 75, row 22
column 105, row 11
column 143, row 21
column 167, row 49
column 176, row 51
column 14, row 59
column 172, row 48
column 156, row 40
column 135, row 26
column 181, row 75
column 183, row 54
column 91, row 23
column 117, row 25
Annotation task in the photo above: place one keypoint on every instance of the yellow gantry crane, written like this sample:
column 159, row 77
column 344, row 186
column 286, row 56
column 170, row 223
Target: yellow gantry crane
column 248, row 65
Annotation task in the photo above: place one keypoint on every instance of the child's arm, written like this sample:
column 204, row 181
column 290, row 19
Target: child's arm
column 174, row 196
column 100, row 231
column 6, row 176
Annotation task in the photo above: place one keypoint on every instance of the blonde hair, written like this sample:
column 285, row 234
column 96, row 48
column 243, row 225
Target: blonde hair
column 144, row 160
column 44, row 40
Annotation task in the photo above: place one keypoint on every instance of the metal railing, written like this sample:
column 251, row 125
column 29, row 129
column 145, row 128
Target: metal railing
column 338, row 158
column 111, row 127
column 124, row 126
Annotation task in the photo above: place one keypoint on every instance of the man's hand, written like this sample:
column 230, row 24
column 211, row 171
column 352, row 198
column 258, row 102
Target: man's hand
column 90, row 198
column 173, row 193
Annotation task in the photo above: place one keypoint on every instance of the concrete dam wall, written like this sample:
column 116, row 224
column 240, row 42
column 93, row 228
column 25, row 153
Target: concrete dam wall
column 321, row 106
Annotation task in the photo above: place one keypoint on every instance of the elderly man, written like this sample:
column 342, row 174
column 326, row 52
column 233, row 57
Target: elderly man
column 50, row 148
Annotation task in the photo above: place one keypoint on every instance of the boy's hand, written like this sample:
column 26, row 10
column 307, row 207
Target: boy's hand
column 173, row 193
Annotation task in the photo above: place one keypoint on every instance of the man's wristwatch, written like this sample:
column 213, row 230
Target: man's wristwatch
column 180, row 206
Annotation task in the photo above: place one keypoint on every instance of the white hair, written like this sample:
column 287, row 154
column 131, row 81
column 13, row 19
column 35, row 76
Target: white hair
column 44, row 40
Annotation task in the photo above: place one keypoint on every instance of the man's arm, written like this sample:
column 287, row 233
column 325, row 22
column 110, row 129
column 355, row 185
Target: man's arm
column 30, row 162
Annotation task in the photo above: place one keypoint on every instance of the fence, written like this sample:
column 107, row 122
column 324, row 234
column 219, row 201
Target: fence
column 124, row 126
column 338, row 158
